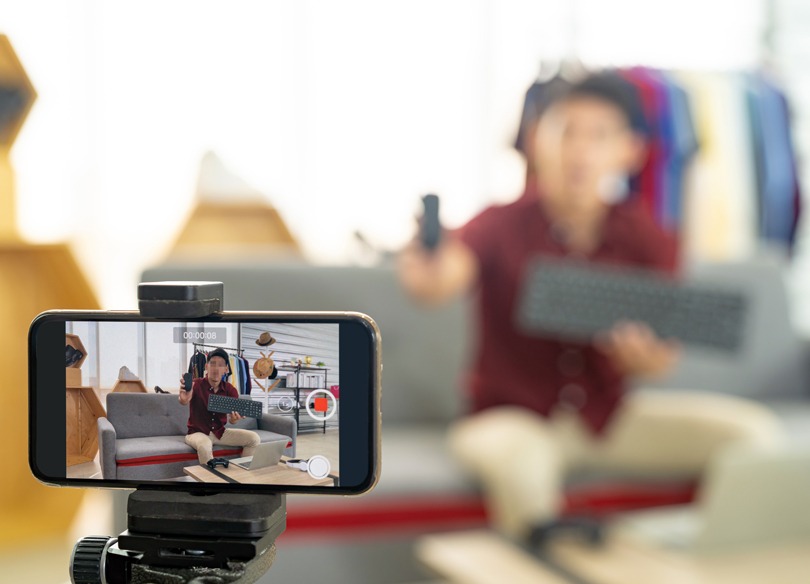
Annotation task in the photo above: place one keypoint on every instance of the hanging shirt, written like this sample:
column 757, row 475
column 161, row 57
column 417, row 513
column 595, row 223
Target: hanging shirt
column 683, row 146
column 720, row 214
column 247, row 386
column 654, row 98
column 777, row 182
column 196, row 365
column 237, row 374
column 233, row 378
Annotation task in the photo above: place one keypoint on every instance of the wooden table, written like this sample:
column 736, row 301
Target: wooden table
column 483, row 557
column 279, row 474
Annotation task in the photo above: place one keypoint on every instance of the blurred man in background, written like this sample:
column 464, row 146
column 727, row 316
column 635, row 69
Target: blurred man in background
column 543, row 406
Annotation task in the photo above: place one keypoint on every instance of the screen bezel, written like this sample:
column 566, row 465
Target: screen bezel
column 359, row 429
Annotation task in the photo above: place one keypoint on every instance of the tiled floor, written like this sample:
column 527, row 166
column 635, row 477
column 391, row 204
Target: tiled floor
column 311, row 443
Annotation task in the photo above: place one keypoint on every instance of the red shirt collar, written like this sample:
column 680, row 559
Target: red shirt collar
column 206, row 385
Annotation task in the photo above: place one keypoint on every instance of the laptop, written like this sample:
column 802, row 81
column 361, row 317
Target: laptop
column 266, row 454
column 748, row 498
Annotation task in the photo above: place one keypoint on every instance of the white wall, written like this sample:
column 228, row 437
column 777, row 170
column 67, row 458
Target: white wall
column 342, row 112
column 294, row 341
column 149, row 350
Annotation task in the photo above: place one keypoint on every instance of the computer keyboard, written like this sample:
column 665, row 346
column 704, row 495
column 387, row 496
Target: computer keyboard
column 225, row 405
column 576, row 301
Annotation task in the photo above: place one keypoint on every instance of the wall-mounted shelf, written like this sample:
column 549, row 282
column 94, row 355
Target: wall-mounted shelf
column 303, row 392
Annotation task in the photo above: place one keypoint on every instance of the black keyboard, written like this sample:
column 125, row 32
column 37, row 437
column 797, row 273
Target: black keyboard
column 225, row 405
column 576, row 301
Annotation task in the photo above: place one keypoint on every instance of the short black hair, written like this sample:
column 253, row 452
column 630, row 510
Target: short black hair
column 611, row 87
column 219, row 353
column 539, row 96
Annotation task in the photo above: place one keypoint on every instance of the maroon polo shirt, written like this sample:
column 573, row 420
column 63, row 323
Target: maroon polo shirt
column 512, row 368
column 199, row 418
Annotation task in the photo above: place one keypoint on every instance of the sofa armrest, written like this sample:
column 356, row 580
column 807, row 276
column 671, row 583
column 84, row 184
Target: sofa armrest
column 106, row 445
column 284, row 425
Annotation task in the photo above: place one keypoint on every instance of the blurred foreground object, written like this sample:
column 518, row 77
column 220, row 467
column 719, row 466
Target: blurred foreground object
column 34, row 278
column 231, row 217
column 483, row 557
column 17, row 95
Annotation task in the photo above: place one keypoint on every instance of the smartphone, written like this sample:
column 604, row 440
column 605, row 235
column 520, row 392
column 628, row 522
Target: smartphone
column 116, row 431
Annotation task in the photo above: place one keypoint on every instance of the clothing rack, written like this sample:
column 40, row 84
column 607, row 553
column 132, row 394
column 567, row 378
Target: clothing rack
column 234, row 349
column 710, row 122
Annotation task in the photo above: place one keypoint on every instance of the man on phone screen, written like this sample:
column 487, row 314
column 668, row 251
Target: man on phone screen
column 208, row 428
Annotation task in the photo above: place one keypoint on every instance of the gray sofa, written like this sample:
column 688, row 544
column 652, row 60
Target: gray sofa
column 425, row 349
column 143, row 437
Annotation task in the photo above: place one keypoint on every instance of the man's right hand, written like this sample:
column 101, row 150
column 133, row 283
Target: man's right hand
column 436, row 276
column 185, row 394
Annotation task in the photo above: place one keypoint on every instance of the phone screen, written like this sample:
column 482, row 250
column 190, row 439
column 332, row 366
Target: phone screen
column 239, row 401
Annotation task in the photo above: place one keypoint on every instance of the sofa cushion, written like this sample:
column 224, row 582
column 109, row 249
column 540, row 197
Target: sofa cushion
column 245, row 424
column 136, row 414
column 152, row 446
column 164, row 449
column 267, row 436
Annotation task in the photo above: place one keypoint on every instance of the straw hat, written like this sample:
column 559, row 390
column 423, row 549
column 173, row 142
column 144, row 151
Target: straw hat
column 265, row 339
column 263, row 367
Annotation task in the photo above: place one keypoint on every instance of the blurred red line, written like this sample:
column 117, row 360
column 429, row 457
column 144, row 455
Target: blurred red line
column 444, row 512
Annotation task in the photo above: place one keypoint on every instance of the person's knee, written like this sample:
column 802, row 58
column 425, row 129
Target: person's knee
column 202, row 444
column 496, row 426
column 741, row 419
column 495, row 433
column 243, row 438
column 701, row 421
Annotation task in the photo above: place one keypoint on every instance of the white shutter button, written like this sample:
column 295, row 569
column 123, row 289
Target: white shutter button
column 318, row 467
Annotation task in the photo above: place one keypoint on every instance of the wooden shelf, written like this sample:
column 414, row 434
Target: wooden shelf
column 73, row 377
column 83, row 409
column 73, row 374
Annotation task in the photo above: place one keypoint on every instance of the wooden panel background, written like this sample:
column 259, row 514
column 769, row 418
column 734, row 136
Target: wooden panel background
column 33, row 278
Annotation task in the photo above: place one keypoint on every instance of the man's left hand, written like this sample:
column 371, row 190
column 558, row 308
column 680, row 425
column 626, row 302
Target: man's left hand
column 636, row 350
column 234, row 417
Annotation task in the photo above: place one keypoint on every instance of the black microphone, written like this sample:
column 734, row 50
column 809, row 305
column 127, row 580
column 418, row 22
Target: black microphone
column 430, row 229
